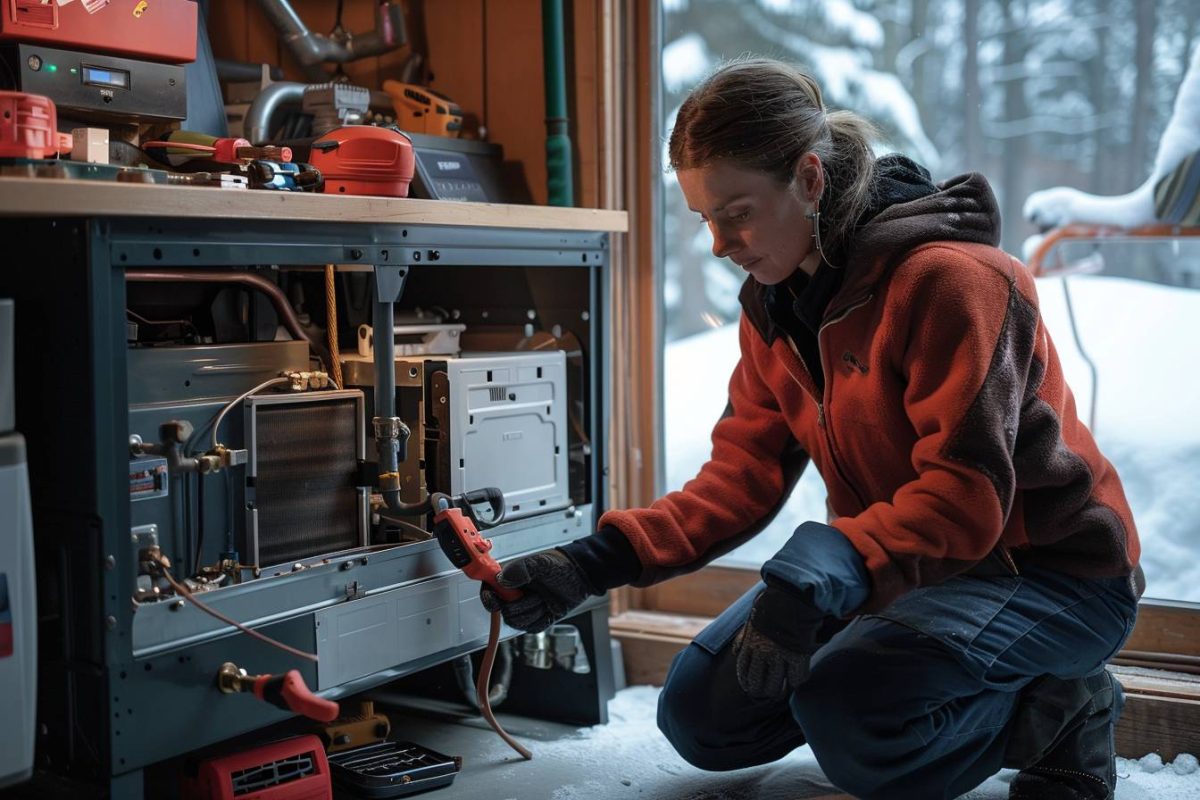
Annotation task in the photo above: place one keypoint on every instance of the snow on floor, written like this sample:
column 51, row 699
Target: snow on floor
column 629, row 758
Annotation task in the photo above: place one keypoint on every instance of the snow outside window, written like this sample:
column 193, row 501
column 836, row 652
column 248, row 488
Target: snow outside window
column 1033, row 93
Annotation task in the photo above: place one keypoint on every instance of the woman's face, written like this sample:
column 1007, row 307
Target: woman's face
column 754, row 221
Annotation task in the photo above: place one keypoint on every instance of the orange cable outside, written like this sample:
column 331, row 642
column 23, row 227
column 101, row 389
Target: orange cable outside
column 1100, row 232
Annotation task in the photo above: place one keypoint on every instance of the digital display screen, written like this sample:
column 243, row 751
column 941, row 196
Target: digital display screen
column 101, row 76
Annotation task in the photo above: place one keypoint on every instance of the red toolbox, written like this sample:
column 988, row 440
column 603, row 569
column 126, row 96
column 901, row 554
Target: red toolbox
column 291, row 769
column 155, row 30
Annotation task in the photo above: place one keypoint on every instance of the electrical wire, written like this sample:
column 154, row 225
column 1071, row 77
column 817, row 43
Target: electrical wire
column 1095, row 373
column 201, row 148
column 187, row 595
column 482, row 682
column 221, row 416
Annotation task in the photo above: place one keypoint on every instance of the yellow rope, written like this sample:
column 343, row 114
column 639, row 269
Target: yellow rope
column 331, row 322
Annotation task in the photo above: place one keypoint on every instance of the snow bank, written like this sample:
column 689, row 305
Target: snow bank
column 1142, row 337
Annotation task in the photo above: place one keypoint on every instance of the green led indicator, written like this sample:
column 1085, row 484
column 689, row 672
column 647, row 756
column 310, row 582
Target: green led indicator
column 51, row 68
column 74, row 71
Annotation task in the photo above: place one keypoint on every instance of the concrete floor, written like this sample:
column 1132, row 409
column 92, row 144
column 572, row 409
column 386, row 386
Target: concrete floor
column 628, row 758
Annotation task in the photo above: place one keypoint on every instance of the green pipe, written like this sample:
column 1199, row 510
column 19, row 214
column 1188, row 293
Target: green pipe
column 560, row 182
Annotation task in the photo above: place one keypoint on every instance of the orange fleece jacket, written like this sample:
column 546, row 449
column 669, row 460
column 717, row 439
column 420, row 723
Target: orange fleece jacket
column 945, row 430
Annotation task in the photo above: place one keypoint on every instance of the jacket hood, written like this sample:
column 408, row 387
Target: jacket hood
column 908, row 210
column 961, row 209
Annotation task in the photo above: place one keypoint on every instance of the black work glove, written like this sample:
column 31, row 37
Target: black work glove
column 552, row 586
column 773, row 648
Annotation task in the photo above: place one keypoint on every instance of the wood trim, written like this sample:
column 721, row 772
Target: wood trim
column 1167, row 627
column 704, row 593
column 1157, row 724
column 1163, row 627
column 629, row 79
column 50, row 197
column 1162, row 709
column 515, row 85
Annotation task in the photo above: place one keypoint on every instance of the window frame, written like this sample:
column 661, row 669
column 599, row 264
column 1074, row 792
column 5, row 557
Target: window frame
column 670, row 612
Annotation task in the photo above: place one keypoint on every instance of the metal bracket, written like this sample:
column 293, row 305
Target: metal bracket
column 389, row 282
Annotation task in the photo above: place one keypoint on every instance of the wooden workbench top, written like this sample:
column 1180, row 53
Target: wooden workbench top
column 45, row 197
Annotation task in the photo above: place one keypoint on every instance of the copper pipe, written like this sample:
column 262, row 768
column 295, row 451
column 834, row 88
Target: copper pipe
column 248, row 279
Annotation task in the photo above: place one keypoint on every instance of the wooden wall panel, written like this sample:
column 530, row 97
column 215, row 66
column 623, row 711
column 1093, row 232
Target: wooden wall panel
column 262, row 41
column 485, row 54
column 516, row 92
column 456, row 51
column 227, row 28
column 584, row 98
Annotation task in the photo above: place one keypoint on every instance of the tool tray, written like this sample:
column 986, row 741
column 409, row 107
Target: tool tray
column 391, row 769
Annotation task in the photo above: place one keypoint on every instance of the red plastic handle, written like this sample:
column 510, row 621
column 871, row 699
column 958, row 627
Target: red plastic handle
column 291, row 693
column 480, row 566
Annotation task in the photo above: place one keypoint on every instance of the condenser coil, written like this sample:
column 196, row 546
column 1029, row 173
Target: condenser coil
column 301, row 494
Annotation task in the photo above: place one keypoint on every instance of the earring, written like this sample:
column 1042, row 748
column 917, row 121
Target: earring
column 814, row 216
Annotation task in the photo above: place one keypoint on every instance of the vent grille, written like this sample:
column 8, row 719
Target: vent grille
column 35, row 14
column 498, row 393
column 305, row 483
column 275, row 773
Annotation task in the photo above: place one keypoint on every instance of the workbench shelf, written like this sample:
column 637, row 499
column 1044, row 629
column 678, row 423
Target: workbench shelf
column 123, row 689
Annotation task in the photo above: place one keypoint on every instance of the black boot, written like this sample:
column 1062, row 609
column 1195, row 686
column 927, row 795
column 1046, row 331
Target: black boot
column 1064, row 755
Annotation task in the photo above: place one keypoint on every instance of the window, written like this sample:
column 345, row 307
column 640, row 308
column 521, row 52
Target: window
column 1034, row 94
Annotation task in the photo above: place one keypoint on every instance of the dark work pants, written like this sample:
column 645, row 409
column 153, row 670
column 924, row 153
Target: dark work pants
column 914, row 702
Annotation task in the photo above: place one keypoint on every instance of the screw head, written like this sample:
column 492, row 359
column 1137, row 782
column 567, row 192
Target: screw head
column 110, row 622
column 109, row 562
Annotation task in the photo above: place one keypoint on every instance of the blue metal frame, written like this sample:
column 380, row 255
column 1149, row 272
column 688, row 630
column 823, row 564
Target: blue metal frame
column 161, row 699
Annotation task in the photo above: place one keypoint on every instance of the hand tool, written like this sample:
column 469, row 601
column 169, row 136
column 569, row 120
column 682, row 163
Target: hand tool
column 459, row 539
column 287, row 691
column 420, row 109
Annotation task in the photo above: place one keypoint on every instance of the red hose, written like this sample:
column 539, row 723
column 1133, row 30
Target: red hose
column 481, row 688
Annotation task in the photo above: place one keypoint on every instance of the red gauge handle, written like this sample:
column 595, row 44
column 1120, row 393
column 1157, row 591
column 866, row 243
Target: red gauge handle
column 467, row 550
column 289, row 692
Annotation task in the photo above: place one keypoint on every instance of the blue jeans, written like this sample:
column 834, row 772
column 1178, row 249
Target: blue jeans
column 914, row 702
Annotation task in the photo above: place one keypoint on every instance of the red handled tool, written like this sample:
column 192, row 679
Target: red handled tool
column 467, row 550
column 458, row 535
column 287, row 691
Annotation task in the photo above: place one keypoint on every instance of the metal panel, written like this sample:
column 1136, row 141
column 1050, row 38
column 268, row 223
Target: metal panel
column 7, row 390
column 18, row 618
column 105, row 716
column 168, row 627
column 361, row 637
column 188, row 374
column 220, row 242
column 508, row 416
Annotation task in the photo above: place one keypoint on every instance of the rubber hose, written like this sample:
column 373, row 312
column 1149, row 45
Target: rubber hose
column 481, row 688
